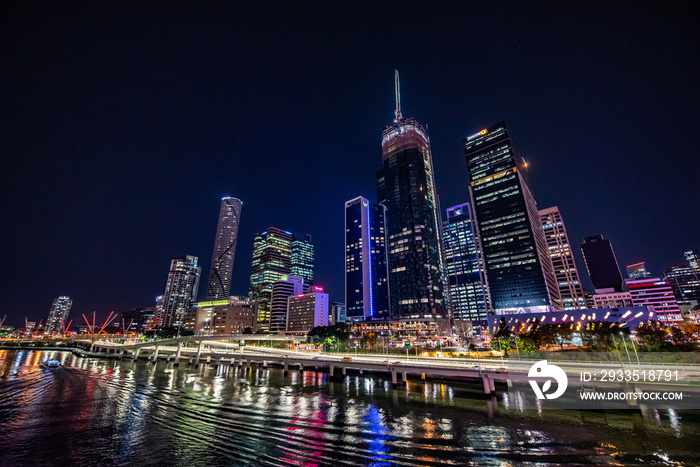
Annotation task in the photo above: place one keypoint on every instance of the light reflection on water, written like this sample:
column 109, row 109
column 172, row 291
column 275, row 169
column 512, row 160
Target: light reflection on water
column 97, row 412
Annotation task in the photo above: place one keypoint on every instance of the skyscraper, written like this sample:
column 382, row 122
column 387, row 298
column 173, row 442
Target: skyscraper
column 517, row 267
column 685, row 280
column 462, row 265
column 180, row 290
column 406, row 186
column 366, row 272
column 58, row 314
column 601, row 263
column 563, row 262
column 281, row 291
column 302, row 257
column 272, row 261
column 224, row 248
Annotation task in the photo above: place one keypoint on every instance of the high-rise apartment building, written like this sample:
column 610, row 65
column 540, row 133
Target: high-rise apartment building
column 224, row 248
column 366, row 267
column 273, row 258
column 58, row 314
column 601, row 263
column 657, row 293
column 562, row 257
column 180, row 290
column 463, row 269
column 281, row 291
column 406, row 186
column 638, row 271
column 517, row 267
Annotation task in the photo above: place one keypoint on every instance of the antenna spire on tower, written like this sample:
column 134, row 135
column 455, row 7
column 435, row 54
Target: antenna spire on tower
column 397, row 113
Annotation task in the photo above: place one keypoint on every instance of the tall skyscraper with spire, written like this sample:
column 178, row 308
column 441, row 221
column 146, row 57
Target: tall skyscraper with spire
column 517, row 266
column 224, row 248
column 406, row 186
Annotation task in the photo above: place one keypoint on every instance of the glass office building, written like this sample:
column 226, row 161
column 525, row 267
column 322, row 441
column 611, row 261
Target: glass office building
column 462, row 266
column 366, row 273
column 517, row 267
column 274, row 255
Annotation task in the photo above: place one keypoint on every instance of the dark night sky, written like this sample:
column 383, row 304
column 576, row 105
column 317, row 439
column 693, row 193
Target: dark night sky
column 124, row 124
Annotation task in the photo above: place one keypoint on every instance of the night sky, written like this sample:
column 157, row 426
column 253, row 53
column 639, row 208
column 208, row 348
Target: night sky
column 124, row 124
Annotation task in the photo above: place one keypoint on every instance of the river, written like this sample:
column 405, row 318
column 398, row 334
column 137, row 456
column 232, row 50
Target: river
column 110, row 412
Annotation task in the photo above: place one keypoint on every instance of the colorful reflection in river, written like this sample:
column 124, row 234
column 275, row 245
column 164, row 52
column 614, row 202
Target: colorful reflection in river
column 101, row 412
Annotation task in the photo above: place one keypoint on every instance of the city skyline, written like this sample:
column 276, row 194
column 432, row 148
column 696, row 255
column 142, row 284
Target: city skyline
column 130, row 142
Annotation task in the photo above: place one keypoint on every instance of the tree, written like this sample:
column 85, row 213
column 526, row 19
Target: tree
column 329, row 335
column 651, row 336
column 503, row 336
column 464, row 330
column 599, row 334
column 555, row 334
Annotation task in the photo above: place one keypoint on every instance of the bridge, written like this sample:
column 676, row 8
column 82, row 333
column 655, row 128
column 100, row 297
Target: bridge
column 219, row 350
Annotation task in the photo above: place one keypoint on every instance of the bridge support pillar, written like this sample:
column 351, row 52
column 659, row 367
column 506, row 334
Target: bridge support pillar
column 394, row 381
column 331, row 370
column 155, row 354
column 285, row 369
column 121, row 354
column 488, row 384
column 177, row 354
column 362, row 371
column 265, row 364
column 199, row 353
column 136, row 353
column 403, row 377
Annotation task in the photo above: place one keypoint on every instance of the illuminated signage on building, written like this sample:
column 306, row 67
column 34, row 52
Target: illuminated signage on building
column 481, row 133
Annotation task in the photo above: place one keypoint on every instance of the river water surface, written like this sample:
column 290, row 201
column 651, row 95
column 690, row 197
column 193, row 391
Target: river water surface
column 111, row 412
